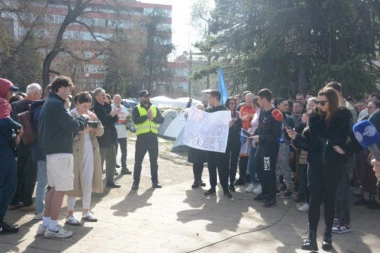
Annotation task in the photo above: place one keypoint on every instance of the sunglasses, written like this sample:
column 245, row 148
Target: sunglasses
column 322, row 102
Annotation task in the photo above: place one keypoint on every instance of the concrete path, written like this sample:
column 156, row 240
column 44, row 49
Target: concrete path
column 177, row 218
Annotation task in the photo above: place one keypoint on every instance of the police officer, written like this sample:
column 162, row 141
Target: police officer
column 146, row 118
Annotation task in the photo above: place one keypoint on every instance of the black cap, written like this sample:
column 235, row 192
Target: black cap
column 144, row 93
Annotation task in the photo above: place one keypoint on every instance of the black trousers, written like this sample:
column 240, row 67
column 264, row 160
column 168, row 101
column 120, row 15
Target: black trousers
column 146, row 143
column 8, row 179
column 26, row 178
column 218, row 161
column 109, row 156
column 232, row 152
column 243, row 165
column 197, row 171
column 323, row 182
column 265, row 166
column 123, row 148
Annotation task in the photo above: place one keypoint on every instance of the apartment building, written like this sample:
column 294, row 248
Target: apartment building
column 85, row 40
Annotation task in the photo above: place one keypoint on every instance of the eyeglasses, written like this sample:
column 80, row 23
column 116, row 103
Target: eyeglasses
column 322, row 102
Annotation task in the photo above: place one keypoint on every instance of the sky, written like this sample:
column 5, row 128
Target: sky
column 183, row 34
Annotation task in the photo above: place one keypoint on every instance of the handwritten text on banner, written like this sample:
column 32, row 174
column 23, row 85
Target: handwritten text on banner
column 207, row 131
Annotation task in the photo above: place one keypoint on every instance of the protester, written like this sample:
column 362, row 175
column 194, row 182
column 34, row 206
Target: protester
column 55, row 136
column 283, row 167
column 10, row 132
column 121, row 129
column 266, row 139
column 146, row 118
column 254, row 185
column 40, row 158
column 233, row 143
column 217, row 160
column 303, row 191
column 107, row 142
column 343, row 194
column 197, row 157
column 246, row 115
column 26, row 167
column 325, row 139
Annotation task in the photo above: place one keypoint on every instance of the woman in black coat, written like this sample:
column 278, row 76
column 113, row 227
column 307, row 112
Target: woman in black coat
column 233, row 143
column 325, row 138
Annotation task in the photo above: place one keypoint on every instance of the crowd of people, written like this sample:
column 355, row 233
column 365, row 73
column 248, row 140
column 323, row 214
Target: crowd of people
column 310, row 154
column 303, row 149
column 74, row 141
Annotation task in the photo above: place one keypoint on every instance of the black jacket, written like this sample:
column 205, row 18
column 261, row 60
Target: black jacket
column 110, row 135
column 269, row 131
column 321, row 135
column 37, row 154
column 56, row 126
column 234, row 131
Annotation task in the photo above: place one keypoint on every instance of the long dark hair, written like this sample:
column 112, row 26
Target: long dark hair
column 333, row 99
column 227, row 104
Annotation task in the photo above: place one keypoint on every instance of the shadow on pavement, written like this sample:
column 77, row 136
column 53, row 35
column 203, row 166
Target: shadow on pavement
column 132, row 202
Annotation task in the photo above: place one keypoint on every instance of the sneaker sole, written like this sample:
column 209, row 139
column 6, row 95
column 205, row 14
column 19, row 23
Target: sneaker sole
column 53, row 235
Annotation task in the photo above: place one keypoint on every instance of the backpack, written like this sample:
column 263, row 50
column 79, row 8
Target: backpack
column 25, row 119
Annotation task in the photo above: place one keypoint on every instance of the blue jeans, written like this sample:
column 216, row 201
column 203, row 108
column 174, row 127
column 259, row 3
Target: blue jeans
column 41, row 186
column 251, row 165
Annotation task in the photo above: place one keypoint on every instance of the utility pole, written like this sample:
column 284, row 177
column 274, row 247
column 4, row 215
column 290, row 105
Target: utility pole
column 190, row 63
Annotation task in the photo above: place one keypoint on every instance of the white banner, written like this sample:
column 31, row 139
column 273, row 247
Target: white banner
column 207, row 131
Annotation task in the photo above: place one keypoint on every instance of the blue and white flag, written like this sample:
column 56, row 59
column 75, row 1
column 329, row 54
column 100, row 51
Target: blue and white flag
column 222, row 87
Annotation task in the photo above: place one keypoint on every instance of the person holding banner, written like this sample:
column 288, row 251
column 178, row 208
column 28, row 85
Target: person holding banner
column 217, row 159
column 197, row 157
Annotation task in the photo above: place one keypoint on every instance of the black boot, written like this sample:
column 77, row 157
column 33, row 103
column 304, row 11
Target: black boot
column 195, row 184
column 327, row 240
column 196, row 177
column 200, row 182
column 311, row 242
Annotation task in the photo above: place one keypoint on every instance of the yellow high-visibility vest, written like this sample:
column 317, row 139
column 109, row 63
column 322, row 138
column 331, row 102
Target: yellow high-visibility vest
column 148, row 125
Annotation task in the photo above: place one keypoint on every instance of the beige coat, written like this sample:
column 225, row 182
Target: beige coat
column 78, row 146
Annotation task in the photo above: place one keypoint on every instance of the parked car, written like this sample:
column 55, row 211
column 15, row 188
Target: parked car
column 129, row 103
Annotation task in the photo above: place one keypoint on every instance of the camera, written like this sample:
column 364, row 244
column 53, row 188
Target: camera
column 92, row 124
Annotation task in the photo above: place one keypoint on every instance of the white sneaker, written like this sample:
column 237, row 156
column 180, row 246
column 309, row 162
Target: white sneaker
column 250, row 188
column 89, row 217
column 38, row 216
column 258, row 189
column 41, row 230
column 304, row 208
column 71, row 220
column 59, row 233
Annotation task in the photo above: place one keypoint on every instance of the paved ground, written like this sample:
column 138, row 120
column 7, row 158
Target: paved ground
column 179, row 219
